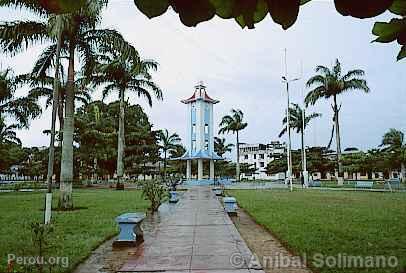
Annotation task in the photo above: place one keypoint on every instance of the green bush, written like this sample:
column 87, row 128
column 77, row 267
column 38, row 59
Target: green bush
column 155, row 192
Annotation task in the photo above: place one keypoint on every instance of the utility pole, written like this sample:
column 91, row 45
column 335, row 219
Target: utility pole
column 304, row 159
column 289, row 152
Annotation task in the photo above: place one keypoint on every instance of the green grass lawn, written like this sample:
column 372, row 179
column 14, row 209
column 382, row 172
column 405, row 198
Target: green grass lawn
column 329, row 222
column 76, row 233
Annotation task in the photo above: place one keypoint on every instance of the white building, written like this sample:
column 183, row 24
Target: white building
column 259, row 155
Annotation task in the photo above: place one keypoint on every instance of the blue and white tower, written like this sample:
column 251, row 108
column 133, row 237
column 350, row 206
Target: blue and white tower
column 200, row 132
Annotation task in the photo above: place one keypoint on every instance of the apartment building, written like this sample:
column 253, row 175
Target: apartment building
column 260, row 155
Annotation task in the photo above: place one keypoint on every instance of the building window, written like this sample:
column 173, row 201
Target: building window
column 206, row 145
column 206, row 128
column 255, row 156
column 262, row 164
column 194, row 145
column 261, row 156
column 246, row 157
column 194, row 129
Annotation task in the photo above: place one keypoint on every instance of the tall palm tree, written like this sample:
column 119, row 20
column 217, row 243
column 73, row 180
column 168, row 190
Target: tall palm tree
column 329, row 83
column 234, row 123
column 168, row 144
column 296, row 122
column 221, row 147
column 15, row 36
column 7, row 133
column 393, row 142
column 83, row 39
column 122, row 73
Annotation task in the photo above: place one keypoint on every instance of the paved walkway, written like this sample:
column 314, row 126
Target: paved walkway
column 198, row 237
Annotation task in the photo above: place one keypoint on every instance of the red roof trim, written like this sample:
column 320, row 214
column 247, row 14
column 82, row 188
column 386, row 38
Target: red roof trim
column 206, row 98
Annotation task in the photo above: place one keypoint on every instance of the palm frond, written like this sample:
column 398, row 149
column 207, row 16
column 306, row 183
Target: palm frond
column 313, row 96
column 19, row 35
column 45, row 61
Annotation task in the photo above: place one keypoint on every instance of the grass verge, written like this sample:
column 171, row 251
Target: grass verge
column 330, row 223
column 76, row 233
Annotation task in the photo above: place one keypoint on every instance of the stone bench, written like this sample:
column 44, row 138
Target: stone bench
column 392, row 184
column 230, row 205
column 315, row 184
column 218, row 191
column 364, row 184
column 131, row 233
column 174, row 197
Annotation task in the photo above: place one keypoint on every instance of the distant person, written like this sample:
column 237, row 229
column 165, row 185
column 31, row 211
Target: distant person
column 302, row 180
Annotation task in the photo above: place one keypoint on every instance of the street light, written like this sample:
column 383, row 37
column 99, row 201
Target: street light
column 289, row 154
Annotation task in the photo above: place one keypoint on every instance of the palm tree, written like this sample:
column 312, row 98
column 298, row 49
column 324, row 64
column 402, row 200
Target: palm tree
column 168, row 144
column 296, row 122
column 8, row 134
column 14, row 36
column 221, row 147
column 234, row 123
column 125, row 72
column 22, row 109
column 329, row 83
column 82, row 39
column 393, row 142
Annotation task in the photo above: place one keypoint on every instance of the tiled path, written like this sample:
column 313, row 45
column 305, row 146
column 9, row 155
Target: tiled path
column 199, row 237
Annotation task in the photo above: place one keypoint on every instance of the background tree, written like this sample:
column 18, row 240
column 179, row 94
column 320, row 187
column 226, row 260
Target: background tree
column 167, row 143
column 178, row 166
column 96, row 134
column 329, row 83
column 234, row 123
column 393, row 143
column 8, row 134
column 296, row 122
column 221, row 147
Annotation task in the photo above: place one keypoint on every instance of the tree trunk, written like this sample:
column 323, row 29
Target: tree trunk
column 121, row 141
column 403, row 171
column 144, row 169
column 55, row 102
column 51, row 151
column 65, row 198
column 338, row 139
column 60, row 117
column 165, row 165
column 303, row 159
column 238, row 159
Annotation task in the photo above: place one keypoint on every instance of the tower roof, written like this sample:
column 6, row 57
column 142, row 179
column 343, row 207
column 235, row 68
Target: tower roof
column 200, row 94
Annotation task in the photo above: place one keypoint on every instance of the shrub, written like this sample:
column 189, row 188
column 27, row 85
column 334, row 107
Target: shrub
column 155, row 192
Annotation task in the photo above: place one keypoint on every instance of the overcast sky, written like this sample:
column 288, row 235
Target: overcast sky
column 243, row 68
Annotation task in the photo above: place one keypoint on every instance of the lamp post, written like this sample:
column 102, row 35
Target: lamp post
column 289, row 153
column 304, row 163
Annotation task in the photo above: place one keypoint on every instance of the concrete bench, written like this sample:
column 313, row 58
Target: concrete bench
column 218, row 191
column 230, row 205
column 315, row 184
column 131, row 233
column 364, row 184
column 174, row 197
column 392, row 184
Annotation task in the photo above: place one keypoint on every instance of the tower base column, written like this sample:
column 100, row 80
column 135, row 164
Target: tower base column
column 188, row 169
column 199, row 169
column 212, row 170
